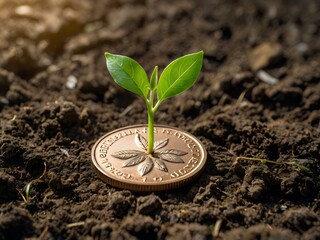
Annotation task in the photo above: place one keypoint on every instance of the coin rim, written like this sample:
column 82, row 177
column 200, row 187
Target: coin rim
column 147, row 186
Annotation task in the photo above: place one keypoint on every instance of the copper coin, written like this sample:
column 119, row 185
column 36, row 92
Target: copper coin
column 120, row 158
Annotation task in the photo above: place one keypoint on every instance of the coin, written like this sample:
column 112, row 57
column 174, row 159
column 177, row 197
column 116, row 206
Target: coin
column 120, row 158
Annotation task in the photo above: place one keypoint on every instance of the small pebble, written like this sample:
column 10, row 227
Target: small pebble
column 71, row 82
column 264, row 55
column 23, row 10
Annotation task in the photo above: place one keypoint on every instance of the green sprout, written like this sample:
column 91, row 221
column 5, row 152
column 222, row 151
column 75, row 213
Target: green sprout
column 176, row 78
column 26, row 197
column 264, row 161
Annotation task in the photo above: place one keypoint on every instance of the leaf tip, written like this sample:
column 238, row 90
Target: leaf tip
column 107, row 54
column 201, row 53
column 154, row 78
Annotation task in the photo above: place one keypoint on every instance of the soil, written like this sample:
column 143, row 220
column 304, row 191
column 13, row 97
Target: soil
column 258, row 96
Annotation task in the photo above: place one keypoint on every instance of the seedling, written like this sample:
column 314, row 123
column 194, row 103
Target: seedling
column 264, row 161
column 26, row 197
column 176, row 78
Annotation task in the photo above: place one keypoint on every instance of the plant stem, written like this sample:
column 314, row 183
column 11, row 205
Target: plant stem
column 156, row 106
column 150, row 122
column 150, row 130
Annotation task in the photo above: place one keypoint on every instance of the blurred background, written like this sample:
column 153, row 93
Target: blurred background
column 243, row 41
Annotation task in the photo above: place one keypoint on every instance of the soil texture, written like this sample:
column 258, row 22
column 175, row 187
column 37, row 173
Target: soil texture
column 258, row 96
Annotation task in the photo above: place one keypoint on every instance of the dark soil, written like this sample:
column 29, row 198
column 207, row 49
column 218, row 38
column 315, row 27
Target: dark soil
column 57, row 99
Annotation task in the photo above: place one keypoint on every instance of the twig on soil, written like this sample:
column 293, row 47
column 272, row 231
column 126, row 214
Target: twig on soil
column 264, row 161
column 240, row 98
column 216, row 229
column 44, row 171
column 44, row 232
column 126, row 111
column 76, row 224
column 65, row 152
column 266, row 77
column 23, row 197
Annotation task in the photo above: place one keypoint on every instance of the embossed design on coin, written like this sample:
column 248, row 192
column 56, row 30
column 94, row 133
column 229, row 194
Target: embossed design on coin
column 120, row 158
column 148, row 161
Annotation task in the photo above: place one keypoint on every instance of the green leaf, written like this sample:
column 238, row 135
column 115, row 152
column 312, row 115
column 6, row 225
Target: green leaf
column 128, row 74
column 154, row 78
column 28, row 187
column 179, row 75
